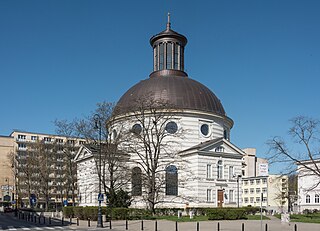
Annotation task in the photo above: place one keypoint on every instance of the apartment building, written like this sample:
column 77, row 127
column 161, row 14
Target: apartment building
column 41, row 167
column 259, row 188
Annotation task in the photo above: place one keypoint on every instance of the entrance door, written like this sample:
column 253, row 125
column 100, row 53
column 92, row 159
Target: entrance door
column 220, row 198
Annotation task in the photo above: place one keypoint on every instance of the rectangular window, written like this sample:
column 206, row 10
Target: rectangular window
column 21, row 137
column 22, row 146
column 220, row 169
column 264, row 190
column 264, row 199
column 231, row 172
column 82, row 142
column 60, row 141
column 209, row 171
column 252, row 191
column 155, row 58
column 258, row 190
column 258, row 199
column 245, row 182
column 47, row 139
column 264, row 180
column 176, row 56
column 231, row 197
column 209, row 198
column 246, row 191
column 34, row 137
column 161, row 63
column 246, row 200
column 257, row 181
column 169, row 56
column 251, row 199
column 251, row 182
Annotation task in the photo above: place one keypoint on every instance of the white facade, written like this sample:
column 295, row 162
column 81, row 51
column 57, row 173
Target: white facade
column 308, row 186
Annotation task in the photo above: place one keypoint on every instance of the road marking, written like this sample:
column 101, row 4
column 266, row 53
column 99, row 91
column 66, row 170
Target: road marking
column 26, row 229
column 11, row 228
column 49, row 228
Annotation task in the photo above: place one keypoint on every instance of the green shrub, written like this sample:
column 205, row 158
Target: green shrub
column 68, row 211
column 78, row 212
column 226, row 213
column 90, row 212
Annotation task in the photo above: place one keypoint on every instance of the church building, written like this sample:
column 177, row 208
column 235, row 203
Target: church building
column 181, row 129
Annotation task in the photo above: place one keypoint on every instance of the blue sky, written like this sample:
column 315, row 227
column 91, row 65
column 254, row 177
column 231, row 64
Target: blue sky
column 59, row 58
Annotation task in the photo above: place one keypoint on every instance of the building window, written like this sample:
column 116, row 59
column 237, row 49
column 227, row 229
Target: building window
column 252, row 191
column 136, row 129
column 209, row 197
column 264, row 199
column 209, row 171
column 264, row 180
column 245, row 182
column 231, row 172
column 251, row 182
column 231, row 197
column 22, row 146
column 204, row 129
column 171, row 127
column 307, row 198
column 171, row 180
column 258, row 199
column 246, row 200
column 246, row 191
column 316, row 199
column 21, row 137
column 264, row 190
column 258, row 190
column 47, row 139
column 251, row 199
column 155, row 54
column 82, row 142
column 59, row 141
column 161, row 63
column 34, row 138
column 136, row 182
column 169, row 55
column 225, row 135
column 219, row 149
column 220, row 169
column 71, row 142
column 176, row 55
column 257, row 181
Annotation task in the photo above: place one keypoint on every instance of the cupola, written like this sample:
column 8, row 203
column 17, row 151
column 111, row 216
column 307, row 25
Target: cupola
column 168, row 52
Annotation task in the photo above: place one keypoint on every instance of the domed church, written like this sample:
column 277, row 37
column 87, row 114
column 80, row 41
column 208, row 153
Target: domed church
column 176, row 134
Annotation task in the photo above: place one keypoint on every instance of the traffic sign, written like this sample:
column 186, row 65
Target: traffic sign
column 100, row 197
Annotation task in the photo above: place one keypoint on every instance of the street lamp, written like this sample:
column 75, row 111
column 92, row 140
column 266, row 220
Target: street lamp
column 97, row 125
column 238, row 179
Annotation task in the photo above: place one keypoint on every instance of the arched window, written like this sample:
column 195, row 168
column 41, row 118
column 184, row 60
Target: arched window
column 220, row 169
column 172, row 180
column 136, row 182
column 307, row 198
column 316, row 199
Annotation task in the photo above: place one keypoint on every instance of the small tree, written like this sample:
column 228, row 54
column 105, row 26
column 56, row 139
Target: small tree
column 305, row 133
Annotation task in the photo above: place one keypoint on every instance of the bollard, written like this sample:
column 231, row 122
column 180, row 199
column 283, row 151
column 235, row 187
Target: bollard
column 70, row 220
column 176, row 226
column 44, row 220
column 126, row 224
column 77, row 221
column 156, row 226
column 266, row 227
column 88, row 222
column 295, row 227
column 39, row 220
column 242, row 227
column 218, row 226
column 49, row 220
column 110, row 224
column 142, row 225
column 62, row 220
column 197, row 225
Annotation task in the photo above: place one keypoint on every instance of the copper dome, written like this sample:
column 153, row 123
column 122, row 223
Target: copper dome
column 181, row 92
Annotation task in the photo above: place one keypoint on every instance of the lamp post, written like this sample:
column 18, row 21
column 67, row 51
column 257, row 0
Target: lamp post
column 97, row 120
column 238, row 179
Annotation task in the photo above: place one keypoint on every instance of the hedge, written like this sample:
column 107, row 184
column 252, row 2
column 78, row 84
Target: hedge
column 226, row 213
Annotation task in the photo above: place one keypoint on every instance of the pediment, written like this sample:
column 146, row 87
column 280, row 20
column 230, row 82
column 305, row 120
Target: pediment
column 83, row 153
column 217, row 147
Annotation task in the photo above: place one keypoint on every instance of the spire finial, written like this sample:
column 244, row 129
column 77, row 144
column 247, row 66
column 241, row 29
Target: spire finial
column 168, row 23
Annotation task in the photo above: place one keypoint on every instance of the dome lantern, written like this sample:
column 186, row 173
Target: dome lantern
column 168, row 52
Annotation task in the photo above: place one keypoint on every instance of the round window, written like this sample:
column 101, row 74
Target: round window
column 205, row 129
column 171, row 127
column 136, row 129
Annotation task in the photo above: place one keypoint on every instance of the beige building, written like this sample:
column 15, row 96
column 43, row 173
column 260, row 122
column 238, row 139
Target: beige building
column 261, row 188
column 6, row 170
column 34, row 154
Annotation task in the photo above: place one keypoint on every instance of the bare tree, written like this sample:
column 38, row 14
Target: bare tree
column 152, row 143
column 306, row 153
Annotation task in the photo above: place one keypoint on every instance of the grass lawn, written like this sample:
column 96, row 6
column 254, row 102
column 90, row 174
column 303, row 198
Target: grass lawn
column 307, row 218
column 202, row 218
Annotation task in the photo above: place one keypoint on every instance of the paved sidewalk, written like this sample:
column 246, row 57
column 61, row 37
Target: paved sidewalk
column 163, row 225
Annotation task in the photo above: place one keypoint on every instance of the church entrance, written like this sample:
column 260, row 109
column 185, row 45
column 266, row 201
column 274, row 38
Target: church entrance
column 220, row 198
